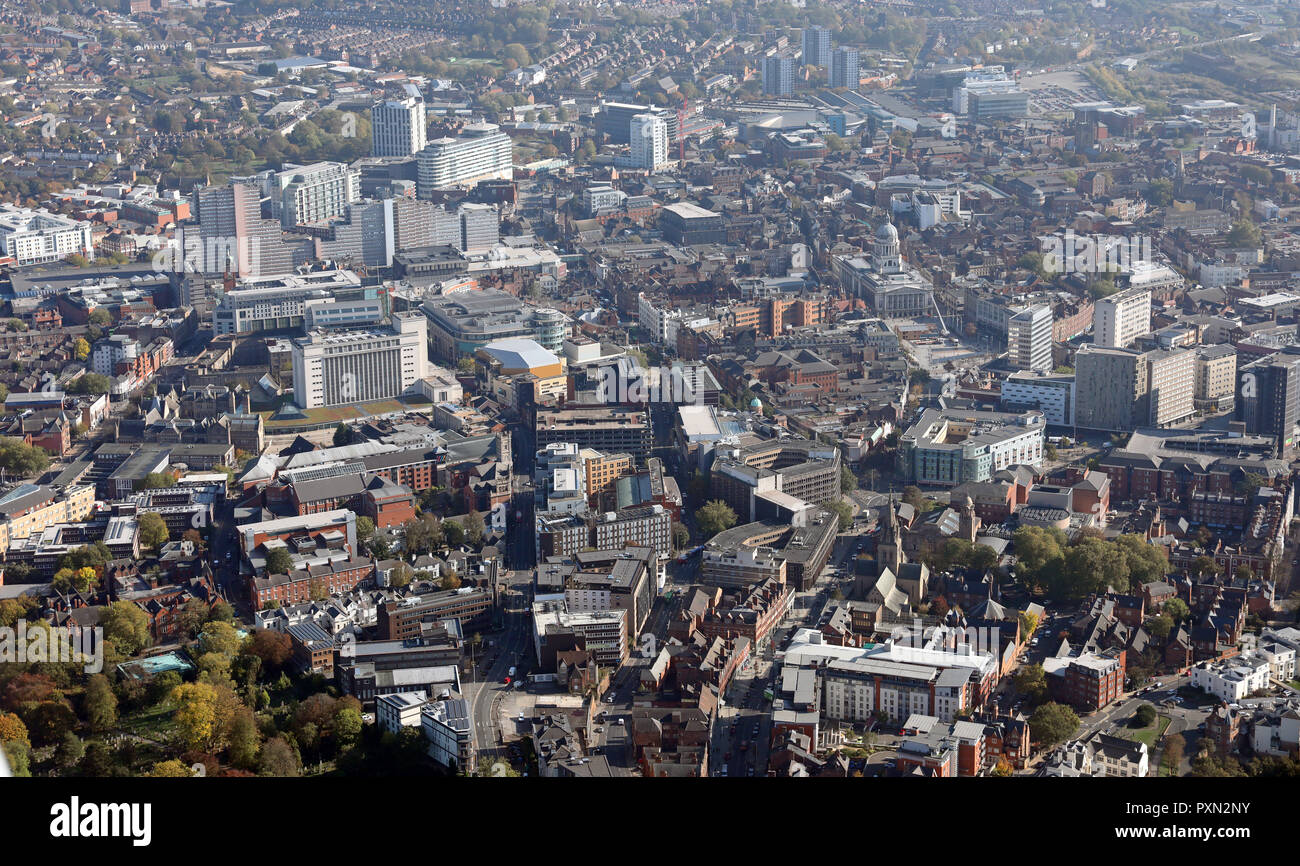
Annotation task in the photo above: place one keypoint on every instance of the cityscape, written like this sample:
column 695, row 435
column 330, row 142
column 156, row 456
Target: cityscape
column 727, row 389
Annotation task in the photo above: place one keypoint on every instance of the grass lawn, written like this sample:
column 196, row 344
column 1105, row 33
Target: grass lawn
column 1295, row 684
column 152, row 724
column 1147, row 735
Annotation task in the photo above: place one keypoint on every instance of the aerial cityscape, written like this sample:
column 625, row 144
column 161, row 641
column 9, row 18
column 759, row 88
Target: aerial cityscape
column 733, row 388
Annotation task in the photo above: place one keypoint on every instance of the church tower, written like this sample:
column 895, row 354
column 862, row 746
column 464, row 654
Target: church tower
column 969, row 521
column 889, row 552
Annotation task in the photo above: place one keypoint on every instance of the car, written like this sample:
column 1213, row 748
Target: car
column 609, row 699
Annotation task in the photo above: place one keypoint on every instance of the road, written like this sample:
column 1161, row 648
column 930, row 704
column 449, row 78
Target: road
column 511, row 646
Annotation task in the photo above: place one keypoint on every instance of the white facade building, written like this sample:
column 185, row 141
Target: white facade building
column 1235, row 678
column 649, row 142
column 312, row 193
column 481, row 152
column 33, row 236
column 398, row 127
column 1029, row 339
column 1121, row 318
column 348, row 367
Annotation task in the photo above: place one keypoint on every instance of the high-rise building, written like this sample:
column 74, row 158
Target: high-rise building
column 816, row 46
column 279, row 302
column 1268, row 396
column 398, row 127
column 481, row 152
column 480, row 227
column 846, row 69
column 311, row 193
column 1120, row 389
column 615, row 120
column 336, row 368
column 232, row 237
column 1029, row 339
column 778, row 75
column 648, row 136
column 1121, row 318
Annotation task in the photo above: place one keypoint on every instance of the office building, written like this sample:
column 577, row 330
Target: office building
column 461, row 323
column 778, row 75
column 1216, row 378
column 31, row 237
column 481, row 152
column 398, row 127
column 1049, row 393
column 303, row 194
column 1121, row 318
column 954, row 446
column 816, row 46
column 1029, row 339
column 684, row 223
column 232, row 237
column 648, row 138
column 1268, row 396
column 845, row 71
column 602, row 633
column 480, row 227
column 360, row 366
column 615, row 121
column 1120, row 389
column 279, row 302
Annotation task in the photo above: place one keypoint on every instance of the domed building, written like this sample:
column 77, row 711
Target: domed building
column 894, row 289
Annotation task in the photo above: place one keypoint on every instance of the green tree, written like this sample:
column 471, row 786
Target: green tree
column 153, row 530
column 1053, row 723
column 453, row 532
column 1031, row 681
column 342, row 435
column 1244, row 233
column 1203, row 566
column 170, row 769
column 848, row 481
column 99, row 703
column 196, row 714
column 713, row 517
column 365, row 528
column 1177, row 608
column 21, row 460
column 1160, row 626
column 1144, row 716
column 681, row 536
column 69, row 752
column 245, row 740
column 347, row 726
column 278, row 561
column 843, row 512
column 1146, row 562
column 126, row 626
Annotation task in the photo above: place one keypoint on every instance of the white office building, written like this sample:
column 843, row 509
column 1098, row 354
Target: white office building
column 312, row 193
column 277, row 302
column 1029, row 339
column 649, row 142
column 34, row 236
column 1118, row 320
column 1051, row 394
column 361, row 366
column 1234, row 678
column 481, row 152
column 398, row 127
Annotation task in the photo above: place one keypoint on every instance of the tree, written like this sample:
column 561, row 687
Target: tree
column 1146, row 563
column 681, row 536
column 450, row 580
column 1053, row 723
column 1177, row 608
column 713, row 517
column 81, row 349
column 12, row 729
column 170, row 769
column 245, row 740
column 47, row 722
column 83, row 579
column 90, row 383
column 418, row 536
column 1204, row 565
column 1031, row 681
column 1160, row 627
column 100, row 317
column 913, row 496
column 1244, row 233
column 453, row 532
column 342, row 435
column 848, row 481
column 153, row 530
column 474, row 528
column 22, row 460
column 365, row 528
column 69, row 752
column 278, row 759
column 347, row 726
column 278, row 561
column 222, row 638
column 842, row 510
column 193, row 616
column 196, row 714
column 99, row 703
column 127, row 626
column 401, row 575
column 1144, row 716
column 272, row 647
column 1172, row 756
column 982, row 557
